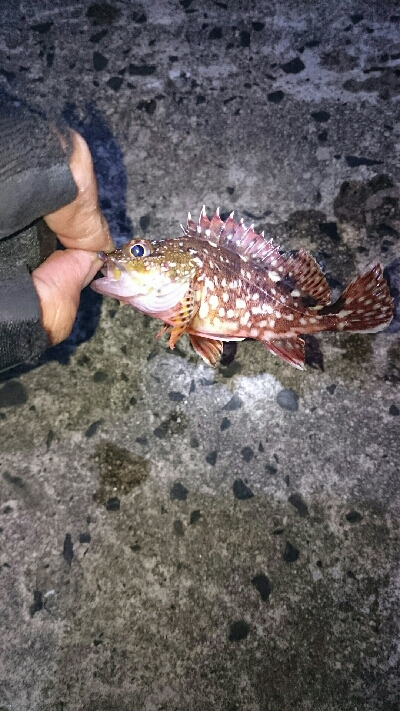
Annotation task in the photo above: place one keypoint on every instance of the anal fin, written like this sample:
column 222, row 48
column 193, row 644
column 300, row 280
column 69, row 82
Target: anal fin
column 208, row 349
column 291, row 350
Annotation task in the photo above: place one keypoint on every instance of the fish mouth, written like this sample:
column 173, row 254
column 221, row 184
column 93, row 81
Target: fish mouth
column 117, row 281
column 149, row 292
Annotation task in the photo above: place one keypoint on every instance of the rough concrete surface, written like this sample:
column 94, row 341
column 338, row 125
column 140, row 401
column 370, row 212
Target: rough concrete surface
column 173, row 537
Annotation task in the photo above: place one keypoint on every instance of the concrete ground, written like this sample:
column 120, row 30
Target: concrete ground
column 173, row 537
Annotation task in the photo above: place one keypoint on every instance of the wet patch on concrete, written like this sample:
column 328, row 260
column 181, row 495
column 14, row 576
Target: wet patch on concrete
column 119, row 471
column 357, row 348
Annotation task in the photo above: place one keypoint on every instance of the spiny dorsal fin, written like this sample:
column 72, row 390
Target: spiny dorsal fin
column 301, row 271
column 238, row 238
column 308, row 277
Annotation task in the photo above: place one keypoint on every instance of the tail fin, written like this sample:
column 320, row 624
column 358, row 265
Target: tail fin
column 365, row 306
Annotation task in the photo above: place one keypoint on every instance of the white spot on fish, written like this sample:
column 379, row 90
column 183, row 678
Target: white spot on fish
column 343, row 313
column 244, row 319
column 240, row 304
column 303, row 322
column 295, row 292
column 221, row 311
column 230, row 313
column 223, row 283
column 255, row 296
column 225, row 297
column 203, row 310
column 271, row 322
column 288, row 317
column 214, row 301
column 254, row 332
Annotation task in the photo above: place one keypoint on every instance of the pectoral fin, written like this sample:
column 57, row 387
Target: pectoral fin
column 180, row 317
column 207, row 348
column 291, row 350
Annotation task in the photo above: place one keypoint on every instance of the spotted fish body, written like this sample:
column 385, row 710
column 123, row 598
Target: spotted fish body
column 221, row 281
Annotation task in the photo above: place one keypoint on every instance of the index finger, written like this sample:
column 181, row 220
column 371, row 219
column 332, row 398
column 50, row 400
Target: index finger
column 81, row 224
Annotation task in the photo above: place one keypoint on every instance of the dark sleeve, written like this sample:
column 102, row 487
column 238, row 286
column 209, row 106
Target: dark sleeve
column 35, row 180
column 22, row 338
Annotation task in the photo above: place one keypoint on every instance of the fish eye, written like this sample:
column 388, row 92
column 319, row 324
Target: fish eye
column 139, row 248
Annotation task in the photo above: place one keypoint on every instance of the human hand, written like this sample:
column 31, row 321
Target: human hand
column 83, row 230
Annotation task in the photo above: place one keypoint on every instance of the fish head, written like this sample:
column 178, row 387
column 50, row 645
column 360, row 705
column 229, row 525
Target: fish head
column 153, row 276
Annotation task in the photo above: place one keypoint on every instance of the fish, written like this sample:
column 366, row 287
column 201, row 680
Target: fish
column 222, row 281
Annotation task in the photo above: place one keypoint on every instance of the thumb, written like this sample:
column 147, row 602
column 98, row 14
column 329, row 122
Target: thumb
column 58, row 283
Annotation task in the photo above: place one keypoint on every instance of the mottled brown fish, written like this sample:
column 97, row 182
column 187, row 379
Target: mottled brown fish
column 221, row 281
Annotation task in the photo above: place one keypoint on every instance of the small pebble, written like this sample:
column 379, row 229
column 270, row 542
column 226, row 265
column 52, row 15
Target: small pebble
column 247, row 454
column 354, row 517
column 113, row 504
column 291, row 553
column 238, row 630
column 241, row 491
column 178, row 492
column 288, row 400
column 262, row 585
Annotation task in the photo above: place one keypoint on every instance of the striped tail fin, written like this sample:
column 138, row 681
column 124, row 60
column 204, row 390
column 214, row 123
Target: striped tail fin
column 365, row 306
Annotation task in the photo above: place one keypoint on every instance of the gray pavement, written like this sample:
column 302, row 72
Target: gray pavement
column 173, row 537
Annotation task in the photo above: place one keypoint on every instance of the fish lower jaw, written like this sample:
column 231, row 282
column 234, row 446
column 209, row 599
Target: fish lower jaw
column 116, row 289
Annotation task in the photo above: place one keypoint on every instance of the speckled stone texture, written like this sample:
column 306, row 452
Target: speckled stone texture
column 173, row 537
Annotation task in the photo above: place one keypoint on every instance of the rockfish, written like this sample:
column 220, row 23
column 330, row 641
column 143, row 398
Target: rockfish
column 221, row 281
